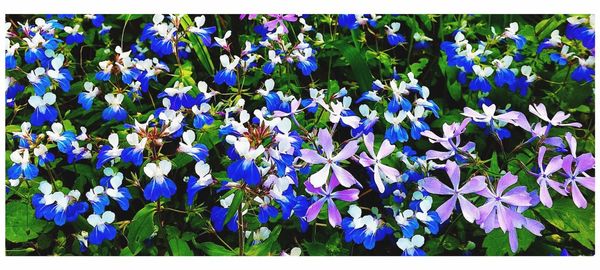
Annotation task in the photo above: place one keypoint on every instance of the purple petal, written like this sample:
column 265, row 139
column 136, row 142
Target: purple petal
column 313, row 210
column 517, row 196
column 545, row 195
column 505, row 181
column 476, row 184
column 554, row 165
column 445, row 210
column 433, row 185
column 470, row 212
column 325, row 141
column 335, row 219
column 320, row 177
column 588, row 182
column 453, row 172
column 312, row 156
column 578, row 198
column 346, row 179
column 365, row 160
column 386, row 149
column 349, row 149
column 513, row 240
column 348, row 195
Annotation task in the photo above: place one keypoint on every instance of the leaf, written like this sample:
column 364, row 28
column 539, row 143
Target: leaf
column 199, row 48
column 212, row 249
column 358, row 64
column 417, row 68
column 265, row 248
column 565, row 216
column 141, row 228
column 129, row 17
column 21, row 224
column 455, row 90
column 496, row 242
column 494, row 163
column 180, row 247
column 315, row 248
column 235, row 204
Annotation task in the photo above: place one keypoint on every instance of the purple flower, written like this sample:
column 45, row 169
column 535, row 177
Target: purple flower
column 433, row 185
column 499, row 212
column 578, row 176
column 327, row 195
column 557, row 120
column 279, row 20
column 543, row 177
column 380, row 171
column 450, row 140
column 313, row 157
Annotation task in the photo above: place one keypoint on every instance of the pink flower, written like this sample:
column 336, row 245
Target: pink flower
column 557, row 120
column 313, row 157
column 327, row 195
column 380, row 171
column 544, row 177
column 476, row 184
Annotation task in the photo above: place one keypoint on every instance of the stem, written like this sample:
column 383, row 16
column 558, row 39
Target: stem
column 241, row 231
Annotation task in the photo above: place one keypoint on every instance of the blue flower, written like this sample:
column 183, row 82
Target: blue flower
column 86, row 98
column 98, row 199
column 585, row 70
column 135, row 153
column 198, row 151
column 109, row 152
column 265, row 210
column 219, row 213
column 74, row 36
column 22, row 165
column 64, row 140
column 114, row 111
column 103, row 230
column 480, row 82
column 44, row 157
column 196, row 184
column 160, row 185
column 411, row 246
column 202, row 115
column 394, row 38
column 348, row 21
column 227, row 74
column 112, row 183
column 511, row 33
column 39, row 80
column 43, row 110
column 395, row 132
column 306, row 63
column 203, row 32
column 421, row 41
column 178, row 96
column 13, row 89
column 503, row 74
column 245, row 167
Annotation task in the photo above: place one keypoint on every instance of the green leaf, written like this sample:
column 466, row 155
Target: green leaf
column 496, row 242
column 180, row 247
column 212, row 249
column 141, row 228
column 129, row 17
column 417, row 68
column 358, row 64
column 235, row 204
column 455, row 90
column 265, row 248
column 199, row 47
column 565, row 216
column 494, row 163
column 21, row 224
column 315, row 248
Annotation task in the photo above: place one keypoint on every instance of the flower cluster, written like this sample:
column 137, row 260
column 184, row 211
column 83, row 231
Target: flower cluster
column 266, row 142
